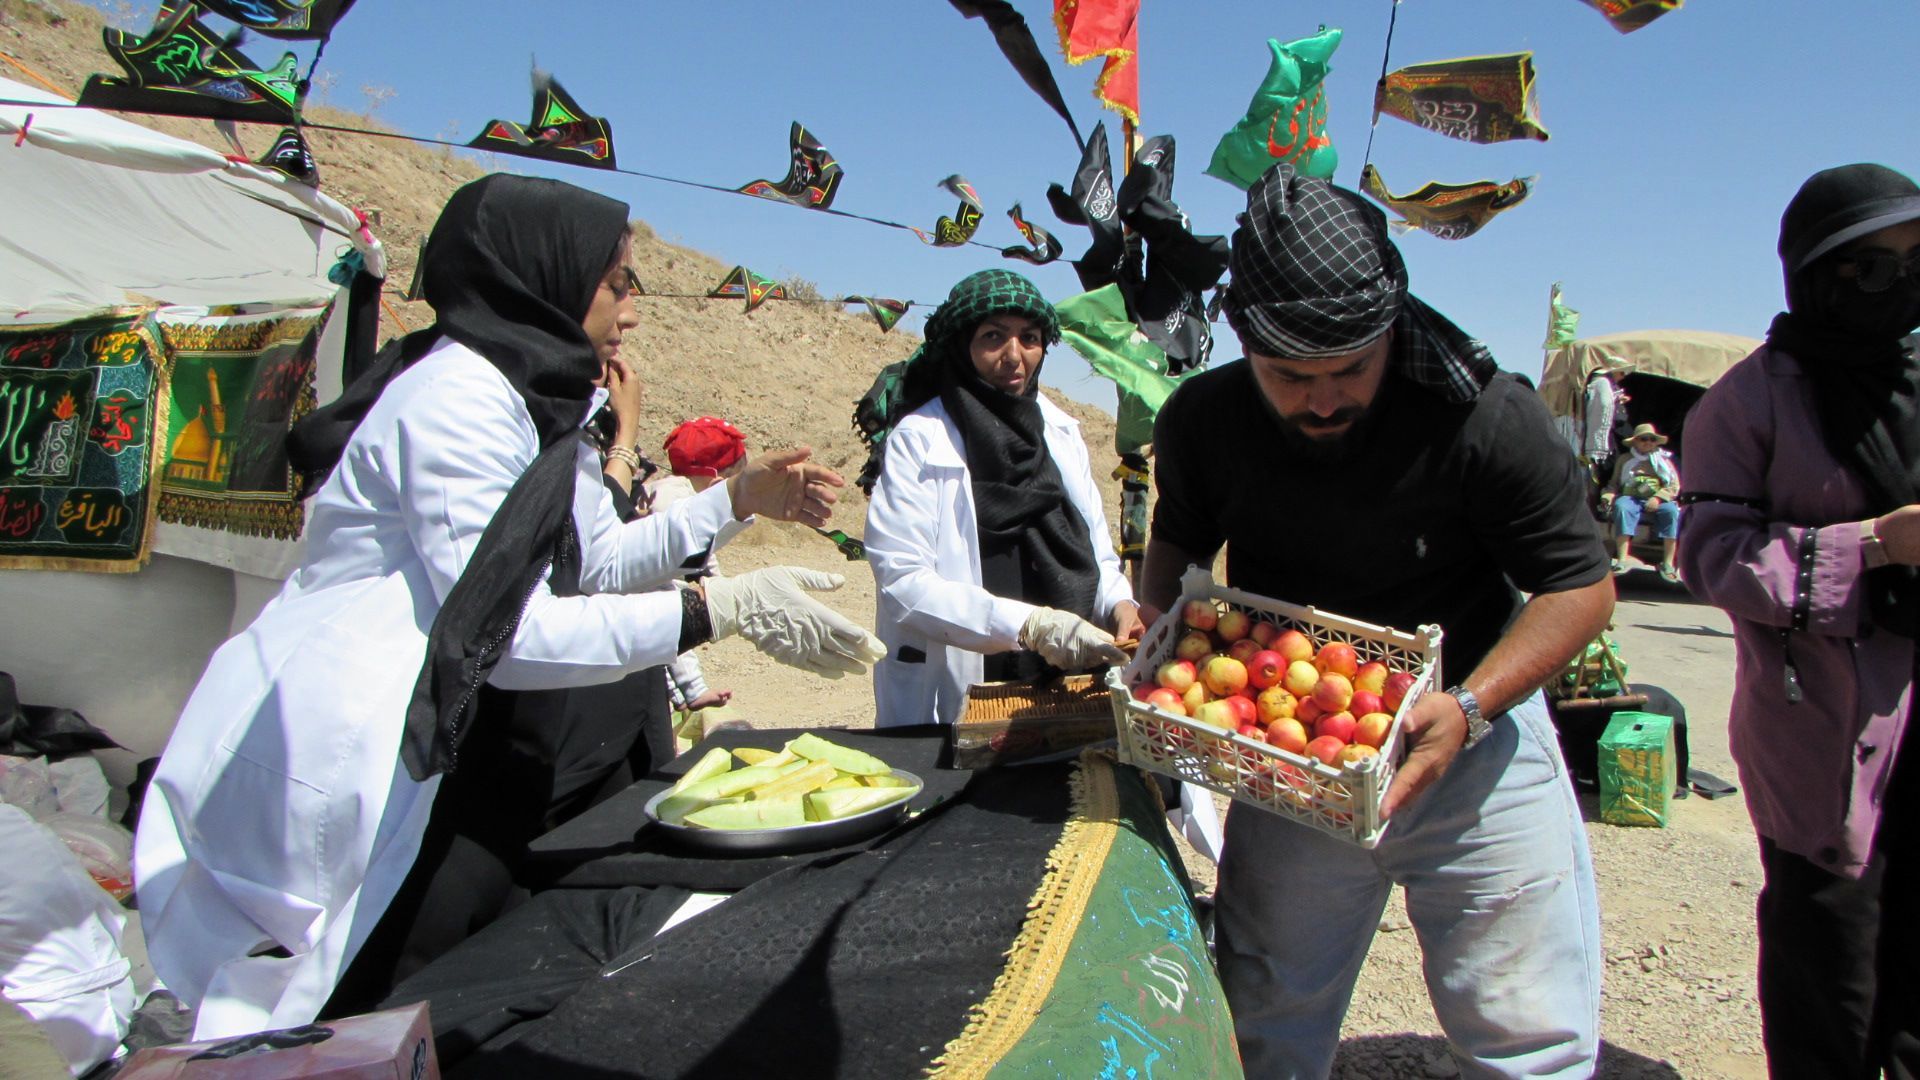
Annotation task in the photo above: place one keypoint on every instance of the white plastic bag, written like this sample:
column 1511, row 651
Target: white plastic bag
column 60, row 957
column 105, row 850
column 80, row 785
column 28, row 784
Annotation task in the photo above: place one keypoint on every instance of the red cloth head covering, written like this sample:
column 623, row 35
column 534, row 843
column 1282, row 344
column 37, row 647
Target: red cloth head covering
column 704, row 446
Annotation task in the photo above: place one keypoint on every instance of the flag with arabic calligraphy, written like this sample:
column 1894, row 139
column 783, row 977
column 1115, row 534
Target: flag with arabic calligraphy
column 884, row 311
column 558, row 130
column 77, row 446
column 1107, row 30
column 743, row 284
column 1041, row 247
column 956, row 230
column 296, row 19
column 813, row 177
column 290, row 157
column 182, row 68
column 238, row 383
column 1287, row 119
column 1092, row 203
column 1447, row 211
column 1630, row 15
column 1481, row 99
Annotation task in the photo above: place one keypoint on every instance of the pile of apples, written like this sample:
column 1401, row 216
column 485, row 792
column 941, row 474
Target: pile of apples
column 1236, row 674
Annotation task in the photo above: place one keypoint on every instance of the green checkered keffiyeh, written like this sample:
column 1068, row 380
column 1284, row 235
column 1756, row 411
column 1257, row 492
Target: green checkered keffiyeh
column 905, row 386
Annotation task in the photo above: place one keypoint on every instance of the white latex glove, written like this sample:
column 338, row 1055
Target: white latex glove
column 1068, row 641
column 771, row 609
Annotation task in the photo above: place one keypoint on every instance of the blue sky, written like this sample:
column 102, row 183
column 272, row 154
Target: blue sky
column 1674, row 149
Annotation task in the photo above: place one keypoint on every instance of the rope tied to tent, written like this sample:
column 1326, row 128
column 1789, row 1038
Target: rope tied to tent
column 20, row 136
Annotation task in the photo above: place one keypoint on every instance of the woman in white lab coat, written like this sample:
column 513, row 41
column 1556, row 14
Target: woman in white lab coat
column 989, row 548
column 461, row 536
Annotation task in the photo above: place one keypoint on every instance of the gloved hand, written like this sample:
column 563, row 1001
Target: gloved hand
column 1068, row 641
column 771, row 609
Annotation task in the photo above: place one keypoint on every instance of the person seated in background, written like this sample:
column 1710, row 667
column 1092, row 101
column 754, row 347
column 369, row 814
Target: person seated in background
column 1645, row 482
column 700, row 453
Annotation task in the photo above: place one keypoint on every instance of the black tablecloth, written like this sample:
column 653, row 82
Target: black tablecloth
column 613, row 844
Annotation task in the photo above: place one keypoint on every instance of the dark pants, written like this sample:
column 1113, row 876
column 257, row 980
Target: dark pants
column 1840, row 958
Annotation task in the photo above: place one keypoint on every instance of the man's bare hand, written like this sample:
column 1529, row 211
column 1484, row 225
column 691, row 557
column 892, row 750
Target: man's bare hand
column 1435, row 730
column 785, row 486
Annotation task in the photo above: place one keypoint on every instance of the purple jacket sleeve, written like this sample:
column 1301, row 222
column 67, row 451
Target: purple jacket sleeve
column 1737, row 550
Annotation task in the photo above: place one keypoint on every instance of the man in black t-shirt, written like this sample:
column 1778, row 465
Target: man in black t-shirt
column 1368, row 458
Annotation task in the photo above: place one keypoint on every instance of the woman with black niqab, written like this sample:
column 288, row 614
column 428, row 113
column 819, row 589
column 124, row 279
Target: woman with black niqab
column 1803, row 473
column 459, row 536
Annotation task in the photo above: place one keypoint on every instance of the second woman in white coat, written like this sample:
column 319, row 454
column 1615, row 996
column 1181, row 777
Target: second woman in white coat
column 990, row 552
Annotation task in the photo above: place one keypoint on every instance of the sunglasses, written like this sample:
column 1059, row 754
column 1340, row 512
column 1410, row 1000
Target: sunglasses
column 1876, row 271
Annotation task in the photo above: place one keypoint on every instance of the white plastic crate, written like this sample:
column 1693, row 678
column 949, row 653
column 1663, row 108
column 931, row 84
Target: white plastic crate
column 1342, row 801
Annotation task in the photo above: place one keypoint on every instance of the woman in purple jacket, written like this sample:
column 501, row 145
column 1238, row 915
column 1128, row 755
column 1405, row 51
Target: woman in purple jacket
column 1803, row 479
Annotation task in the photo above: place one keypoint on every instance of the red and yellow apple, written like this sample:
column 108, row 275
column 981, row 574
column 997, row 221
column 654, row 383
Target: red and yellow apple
column 1243, row 707
column 1339, row 725
column 1200, row 615
column 1326, row 749
column 1333, row 692
column 1288, row 734
column 1244, row 649
column 1372, row 729
column 1233, row 625
column 1308, row 712
column 1195, row 696
column 1395, row 691
column 1301, row 678
column 1364, row 702
column 1275, row 702
column 1338, row 658
column 1193, row 645
column 1264, row 632
column 1265, row 668
column 1372, row 677
column 1163, row 698
column 1176, row 675
column 1218, row 714
column 1293, row 645
column 1224, row 675
column 1355, row 753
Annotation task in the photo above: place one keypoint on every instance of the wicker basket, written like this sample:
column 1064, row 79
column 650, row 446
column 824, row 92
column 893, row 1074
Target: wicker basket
column 1007, row 722
column 1343, row 802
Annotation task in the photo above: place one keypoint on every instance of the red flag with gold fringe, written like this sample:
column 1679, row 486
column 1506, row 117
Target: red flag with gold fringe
column 1108, row 29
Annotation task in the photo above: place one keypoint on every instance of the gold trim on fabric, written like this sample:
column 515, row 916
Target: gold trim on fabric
column 997, row 1024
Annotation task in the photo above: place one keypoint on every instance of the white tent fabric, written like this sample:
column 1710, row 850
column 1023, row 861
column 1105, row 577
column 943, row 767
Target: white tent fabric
column 170, row 221
column 102, row 214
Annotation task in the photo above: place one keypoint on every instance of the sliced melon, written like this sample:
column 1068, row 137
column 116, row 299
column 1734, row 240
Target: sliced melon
column 752, row 814
column 674, row 808
column 846, row 802
column 846, row 759
column 886, row 781
column 809, row 777
column 711, row 764
column 839, row 782
column 753, row 755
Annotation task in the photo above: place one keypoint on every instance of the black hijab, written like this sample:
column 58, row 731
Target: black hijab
column 1853, row 348
column 1033, row 542
column 510, row 269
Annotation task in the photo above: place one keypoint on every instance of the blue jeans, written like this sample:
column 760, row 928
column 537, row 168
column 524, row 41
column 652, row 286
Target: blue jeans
column 1626, row 517
column 1499, row 886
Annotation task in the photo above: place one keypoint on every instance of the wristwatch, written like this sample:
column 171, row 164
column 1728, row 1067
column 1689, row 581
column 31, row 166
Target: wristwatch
column 1477, row 724
column 1873, row 554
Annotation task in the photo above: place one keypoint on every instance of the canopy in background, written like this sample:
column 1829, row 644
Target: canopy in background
column 102, row 213
column 1696, row 357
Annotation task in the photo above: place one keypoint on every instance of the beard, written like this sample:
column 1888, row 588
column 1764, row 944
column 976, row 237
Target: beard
column 1308, row 436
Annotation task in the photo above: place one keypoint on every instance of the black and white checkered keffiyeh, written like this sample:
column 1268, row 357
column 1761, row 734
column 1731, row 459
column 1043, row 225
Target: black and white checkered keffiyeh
column 1315, row 275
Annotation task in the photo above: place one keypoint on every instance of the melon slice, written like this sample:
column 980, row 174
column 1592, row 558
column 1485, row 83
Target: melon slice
column 846, row 802
column 752, row 814
column 811, row 776
column 711, row 764
column 753, row 755
column 844, row 758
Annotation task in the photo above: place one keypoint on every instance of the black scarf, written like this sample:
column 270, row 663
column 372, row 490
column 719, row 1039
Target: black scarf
column 1867, row 394
column 510, row 269
column 1033, row 541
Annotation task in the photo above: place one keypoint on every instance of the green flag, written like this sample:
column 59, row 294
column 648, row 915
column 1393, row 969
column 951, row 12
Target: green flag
column 1562, row 321
column 1287, row 119
column 1095, row 325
